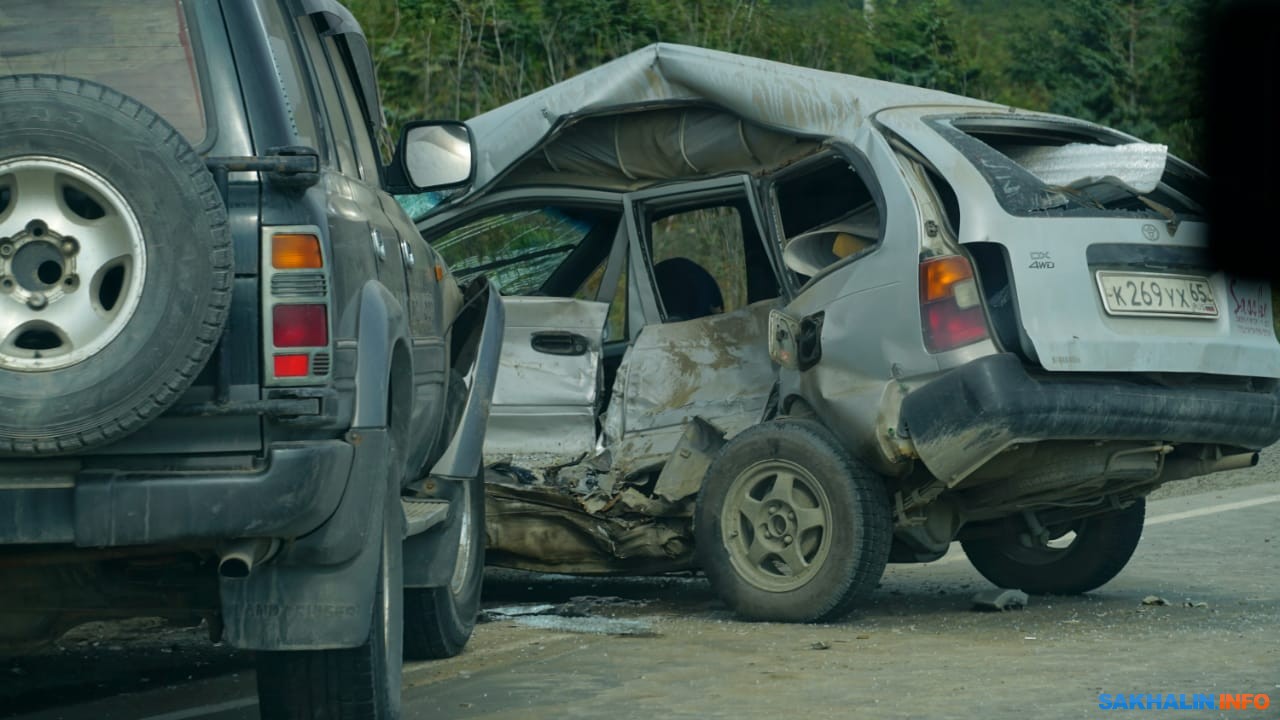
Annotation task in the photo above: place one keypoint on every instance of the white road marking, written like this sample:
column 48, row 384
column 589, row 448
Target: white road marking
column 203, row 710
column 1170, row 517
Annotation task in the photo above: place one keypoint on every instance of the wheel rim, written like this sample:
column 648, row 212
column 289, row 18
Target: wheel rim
column 462, row 566
column 776, row 524
column 72, row 263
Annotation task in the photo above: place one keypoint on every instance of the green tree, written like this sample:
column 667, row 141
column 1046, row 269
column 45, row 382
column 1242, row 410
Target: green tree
column 913, row 44
column 1132, row 64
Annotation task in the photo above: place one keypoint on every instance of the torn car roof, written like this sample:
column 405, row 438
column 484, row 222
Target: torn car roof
column 776, row 103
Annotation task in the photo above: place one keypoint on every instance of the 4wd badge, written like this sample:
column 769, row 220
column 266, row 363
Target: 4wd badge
column 1040, row 261
column 1150, row 232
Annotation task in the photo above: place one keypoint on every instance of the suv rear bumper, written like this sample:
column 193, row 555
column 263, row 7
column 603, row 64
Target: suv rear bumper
column 962, row 419
column 297, row 489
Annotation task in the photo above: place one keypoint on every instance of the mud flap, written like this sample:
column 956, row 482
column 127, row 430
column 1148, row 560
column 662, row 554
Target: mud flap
column 318, row 593
column 429, row 556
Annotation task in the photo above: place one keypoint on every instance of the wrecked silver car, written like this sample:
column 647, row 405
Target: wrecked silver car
column 786, row 326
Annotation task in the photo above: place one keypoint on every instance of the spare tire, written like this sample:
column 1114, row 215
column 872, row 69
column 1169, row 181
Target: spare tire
column 115, row 265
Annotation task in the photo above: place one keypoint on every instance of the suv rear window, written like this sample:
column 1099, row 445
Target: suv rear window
column 1002, row 152
column 141, row 48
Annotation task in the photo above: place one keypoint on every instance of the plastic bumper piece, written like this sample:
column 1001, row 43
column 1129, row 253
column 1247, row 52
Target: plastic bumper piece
column 299, row 487
column 965, row 417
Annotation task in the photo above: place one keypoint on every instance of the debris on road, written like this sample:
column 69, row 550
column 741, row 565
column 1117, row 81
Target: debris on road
column 999, row 599
column 512, row 611
column 584, row 605
column 589, row 625
column 1154, row 600
column 580, row 614
column 820, row 645
column 1196, row 604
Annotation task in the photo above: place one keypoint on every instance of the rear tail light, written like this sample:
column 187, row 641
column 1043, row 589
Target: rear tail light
column 299, row 326
column 950, row 305
column 292, row 365
column 295, row 307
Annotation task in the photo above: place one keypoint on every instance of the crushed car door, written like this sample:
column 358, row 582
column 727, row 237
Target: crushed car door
column 548, row 382
column 538, row 252
column 706, row 287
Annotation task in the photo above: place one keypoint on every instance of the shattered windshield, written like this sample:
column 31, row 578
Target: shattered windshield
column 1049, row 169
column 518, row 250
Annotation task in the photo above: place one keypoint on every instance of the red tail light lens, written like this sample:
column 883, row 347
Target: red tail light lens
column 300, row 326
column 950, row 306
column 291, row 366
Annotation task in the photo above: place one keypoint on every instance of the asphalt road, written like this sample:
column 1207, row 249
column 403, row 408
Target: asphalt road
column 917, row 650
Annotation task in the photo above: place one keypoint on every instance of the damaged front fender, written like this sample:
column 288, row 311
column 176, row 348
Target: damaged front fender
column 576, row 519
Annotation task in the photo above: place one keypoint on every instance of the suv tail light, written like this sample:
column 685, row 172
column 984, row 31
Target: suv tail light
column 300, row 326
column 950, row 304
column 295, row 251
column 295, row 307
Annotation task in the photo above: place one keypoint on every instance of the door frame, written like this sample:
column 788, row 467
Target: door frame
column 646, row 305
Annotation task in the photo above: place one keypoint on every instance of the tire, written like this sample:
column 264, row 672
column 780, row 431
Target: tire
column 822, row 551
column 1099, row 550
column 105, row 319
column 439, row 621
column 360, row 683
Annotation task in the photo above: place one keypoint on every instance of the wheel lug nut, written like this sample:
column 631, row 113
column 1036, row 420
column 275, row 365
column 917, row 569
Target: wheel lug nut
column 70, row 246
column 37, row 301
column 6, row 285
column 791, row 516
column 71, row 282
column 787, row 540
column 6, row 249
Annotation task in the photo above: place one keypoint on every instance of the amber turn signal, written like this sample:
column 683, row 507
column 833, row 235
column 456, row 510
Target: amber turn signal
column 939, row 276
column 295, row 252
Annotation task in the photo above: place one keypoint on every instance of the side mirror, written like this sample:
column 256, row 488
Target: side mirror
column 433, row 155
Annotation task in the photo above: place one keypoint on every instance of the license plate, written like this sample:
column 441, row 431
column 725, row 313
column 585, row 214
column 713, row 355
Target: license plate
column 1146, row 294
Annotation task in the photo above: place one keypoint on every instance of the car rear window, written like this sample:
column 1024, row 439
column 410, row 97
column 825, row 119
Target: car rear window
column 1029, row 165
column 141, row 48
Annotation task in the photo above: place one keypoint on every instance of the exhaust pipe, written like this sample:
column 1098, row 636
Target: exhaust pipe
column 236, row 559
column 1187, row 468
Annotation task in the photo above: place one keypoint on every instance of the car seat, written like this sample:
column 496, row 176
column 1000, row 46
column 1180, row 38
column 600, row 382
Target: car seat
column 688, row 291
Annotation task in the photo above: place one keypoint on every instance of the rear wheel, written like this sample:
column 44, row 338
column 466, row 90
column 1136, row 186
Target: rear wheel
column 1076, row 557
column 439, row 620
column 789, row 527
column 360, row 683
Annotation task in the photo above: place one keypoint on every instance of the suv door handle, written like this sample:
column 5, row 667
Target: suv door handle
column 379, row 246
column 407, row 253
column 559, row 342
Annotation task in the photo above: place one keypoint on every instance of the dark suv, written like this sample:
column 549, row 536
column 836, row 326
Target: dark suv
column 231, row 370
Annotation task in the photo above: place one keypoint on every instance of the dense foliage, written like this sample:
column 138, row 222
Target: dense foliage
column 1131, row 64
